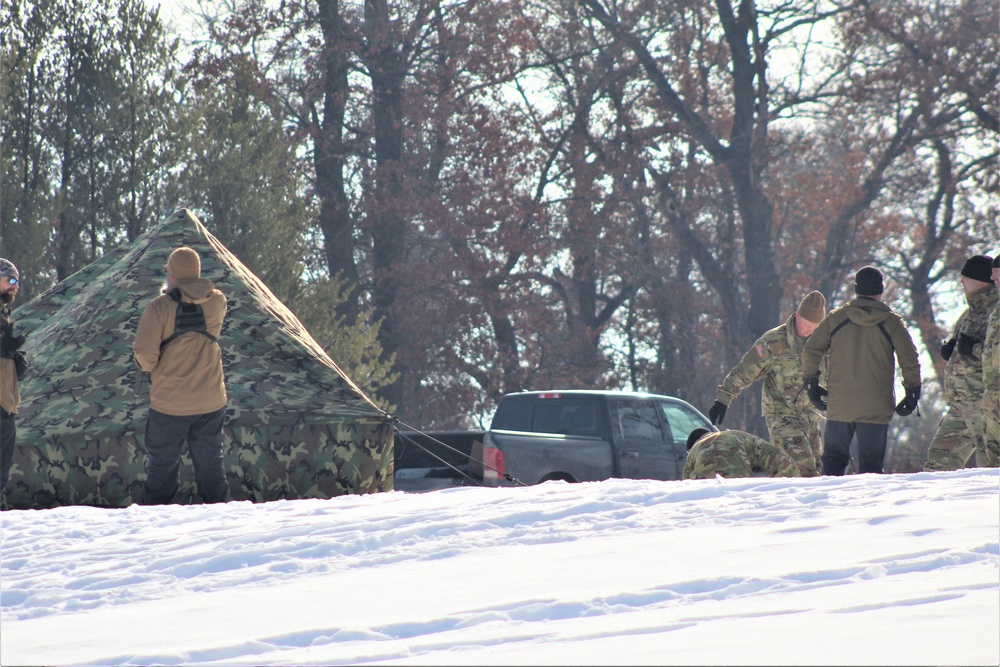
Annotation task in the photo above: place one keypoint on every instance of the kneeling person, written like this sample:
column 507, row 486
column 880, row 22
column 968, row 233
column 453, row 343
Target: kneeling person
column 734, row 454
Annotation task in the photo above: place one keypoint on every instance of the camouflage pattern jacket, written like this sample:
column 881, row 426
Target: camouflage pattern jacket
column 991, row 355
column 777, row 358
column 736, row 454
column 10, row 393
column 186, row 375
column 864, row 339
column 963, row 374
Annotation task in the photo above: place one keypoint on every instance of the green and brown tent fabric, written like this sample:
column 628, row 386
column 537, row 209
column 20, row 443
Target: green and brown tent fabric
column 296, row 425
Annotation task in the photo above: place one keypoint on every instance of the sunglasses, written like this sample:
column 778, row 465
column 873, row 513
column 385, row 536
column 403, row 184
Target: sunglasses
column 13, row 281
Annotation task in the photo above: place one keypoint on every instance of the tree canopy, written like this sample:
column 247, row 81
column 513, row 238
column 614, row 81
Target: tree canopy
column 471, row 198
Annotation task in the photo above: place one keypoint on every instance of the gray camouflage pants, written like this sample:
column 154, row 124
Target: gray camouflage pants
column 801, row 437
column 958, row 437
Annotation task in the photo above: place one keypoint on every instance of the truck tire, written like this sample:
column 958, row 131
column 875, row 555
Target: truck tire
column 558, row 476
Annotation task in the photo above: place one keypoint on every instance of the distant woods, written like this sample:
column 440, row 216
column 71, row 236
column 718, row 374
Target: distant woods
column 470, row 198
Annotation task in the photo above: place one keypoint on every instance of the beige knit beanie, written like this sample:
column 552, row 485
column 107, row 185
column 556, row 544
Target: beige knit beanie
column 813, row 307
column 184, row 263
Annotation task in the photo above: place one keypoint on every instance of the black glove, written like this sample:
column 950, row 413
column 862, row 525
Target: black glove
column 965, row 343
column 9, row 343
column 20, row 365
column 717, row 412
column 946, row 349
column 815, row 392
column 909, row 402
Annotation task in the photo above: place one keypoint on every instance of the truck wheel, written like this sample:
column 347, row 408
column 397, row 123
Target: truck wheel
column 560, row 477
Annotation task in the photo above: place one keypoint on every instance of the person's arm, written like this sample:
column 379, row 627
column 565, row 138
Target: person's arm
column 148, row 336
column 753, row 366
column 906, row 356
column 815, row 348
column 769, row 459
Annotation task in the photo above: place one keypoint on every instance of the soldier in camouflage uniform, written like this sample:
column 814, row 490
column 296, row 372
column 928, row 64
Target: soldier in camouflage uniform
column 793, row 423
column 12, row 369
column 991, row 380
column 734, row 454
column 959, row 434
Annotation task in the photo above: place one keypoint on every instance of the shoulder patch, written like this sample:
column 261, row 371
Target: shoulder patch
column 760, row 350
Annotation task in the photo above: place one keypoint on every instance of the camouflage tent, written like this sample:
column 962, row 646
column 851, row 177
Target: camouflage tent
column 296, row 425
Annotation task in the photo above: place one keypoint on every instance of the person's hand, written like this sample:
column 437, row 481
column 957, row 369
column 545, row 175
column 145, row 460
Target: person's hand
column 965, row 343
column 20, row 365
column 10, row 344
column 909, row 402
column 717, row 413
column 815, row 392
column 946, row 349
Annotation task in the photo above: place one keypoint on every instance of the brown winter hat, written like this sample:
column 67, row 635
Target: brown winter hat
column 868, row 281
column 184, row 263
column 813, row 307
column 979, row 267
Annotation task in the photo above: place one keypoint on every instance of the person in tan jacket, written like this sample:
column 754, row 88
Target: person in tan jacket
column 176, row 343
column 12, row 368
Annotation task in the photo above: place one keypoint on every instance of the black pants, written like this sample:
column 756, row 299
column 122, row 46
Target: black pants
column 165, row 436
column 837, row 446
column 8, row 434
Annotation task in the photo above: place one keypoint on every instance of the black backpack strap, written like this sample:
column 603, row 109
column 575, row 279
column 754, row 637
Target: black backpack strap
column 189, row 318
column 839, row 327
column 881, row 327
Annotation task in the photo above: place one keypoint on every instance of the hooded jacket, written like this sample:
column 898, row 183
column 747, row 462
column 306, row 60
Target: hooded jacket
column 864, row 339
column 186, row 375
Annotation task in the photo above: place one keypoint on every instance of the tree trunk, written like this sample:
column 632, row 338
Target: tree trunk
column 385, row 66
column 330, row 154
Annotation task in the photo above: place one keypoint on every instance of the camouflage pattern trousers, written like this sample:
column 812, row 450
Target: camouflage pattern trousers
column 800, row 435
column 990, row 423
column 958, row 437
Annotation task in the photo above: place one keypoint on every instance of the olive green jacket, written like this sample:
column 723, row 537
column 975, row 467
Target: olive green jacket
column 864, row 340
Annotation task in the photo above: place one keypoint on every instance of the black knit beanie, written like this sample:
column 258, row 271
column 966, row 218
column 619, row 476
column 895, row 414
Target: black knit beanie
column 979, row 267
column 695, row 436
column 868, row 281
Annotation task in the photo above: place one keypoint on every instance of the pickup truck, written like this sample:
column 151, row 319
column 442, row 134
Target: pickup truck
column 571, row 435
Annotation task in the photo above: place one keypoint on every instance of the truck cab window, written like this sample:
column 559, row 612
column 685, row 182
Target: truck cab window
column 568, row 416
column 682, row 421
column 638, row 421
column 579, row 420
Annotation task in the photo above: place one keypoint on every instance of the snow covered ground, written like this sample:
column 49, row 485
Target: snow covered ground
column 858, row 570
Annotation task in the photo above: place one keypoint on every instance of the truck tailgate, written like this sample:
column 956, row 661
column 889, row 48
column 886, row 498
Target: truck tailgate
column 535, row 457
